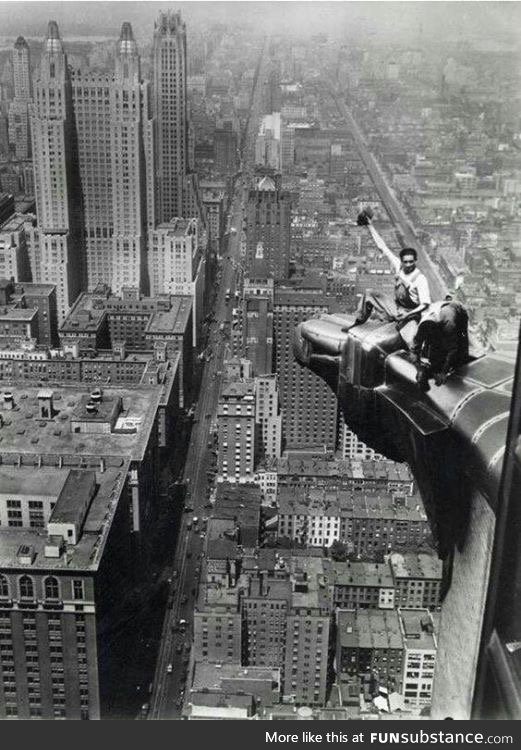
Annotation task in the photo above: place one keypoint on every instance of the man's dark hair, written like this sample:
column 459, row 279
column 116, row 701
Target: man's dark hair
column 408, row 251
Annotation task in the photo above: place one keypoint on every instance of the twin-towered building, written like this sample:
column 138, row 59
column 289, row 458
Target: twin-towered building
column 111, row 168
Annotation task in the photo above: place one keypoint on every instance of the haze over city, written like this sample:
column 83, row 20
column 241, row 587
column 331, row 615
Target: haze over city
column 260, row 387
column 405, row 20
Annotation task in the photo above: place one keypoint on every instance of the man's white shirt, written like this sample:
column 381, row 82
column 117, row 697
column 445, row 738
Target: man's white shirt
column 417, row 286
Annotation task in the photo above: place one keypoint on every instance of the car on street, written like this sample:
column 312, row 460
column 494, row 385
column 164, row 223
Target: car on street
column 170, row 669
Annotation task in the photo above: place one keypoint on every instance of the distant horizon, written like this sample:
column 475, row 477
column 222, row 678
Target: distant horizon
column 492, row 20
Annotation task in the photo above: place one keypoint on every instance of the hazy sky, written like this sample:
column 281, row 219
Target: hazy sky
column 104, row 18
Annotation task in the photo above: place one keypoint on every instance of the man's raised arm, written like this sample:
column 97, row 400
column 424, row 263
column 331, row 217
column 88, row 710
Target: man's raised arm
column 364, row 219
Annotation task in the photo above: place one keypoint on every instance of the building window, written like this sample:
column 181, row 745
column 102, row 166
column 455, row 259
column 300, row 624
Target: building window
column 26, row 587
column 52, row 588
column 78, row 591
column 4, row 586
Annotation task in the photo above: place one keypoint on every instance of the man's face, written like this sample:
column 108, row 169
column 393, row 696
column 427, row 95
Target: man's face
column 408, row 263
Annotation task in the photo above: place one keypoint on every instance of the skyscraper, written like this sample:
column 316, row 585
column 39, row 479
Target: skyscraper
column 18, row 112
column 171, row 114
column 309, row 407
column 105, row 153
column 268, row 231
column 57, row 185
column 112, row 116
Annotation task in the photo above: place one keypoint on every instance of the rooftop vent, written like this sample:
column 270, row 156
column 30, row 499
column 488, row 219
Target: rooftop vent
column 25, row 554
column 8, row 400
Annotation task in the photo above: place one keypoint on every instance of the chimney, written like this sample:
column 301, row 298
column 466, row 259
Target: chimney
column 45, row 404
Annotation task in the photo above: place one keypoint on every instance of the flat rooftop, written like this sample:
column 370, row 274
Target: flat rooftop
column 383, row 470
column 416, row 565
column 176, row 320
column 312, row 571
column 88, row 313
column 363, row 574
column 86, row 554
column 369, row 628
column 21, row 314
column 418, row 629
column 13, row 224
column 45, row 482
column 210, row 676
column 177, row 227
column 34, row 288
column 238, row 389
column 24, row 432
column 324, row 502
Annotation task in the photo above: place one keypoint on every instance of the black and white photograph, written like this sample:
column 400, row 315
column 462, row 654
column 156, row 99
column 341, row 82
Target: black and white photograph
column 260, row 379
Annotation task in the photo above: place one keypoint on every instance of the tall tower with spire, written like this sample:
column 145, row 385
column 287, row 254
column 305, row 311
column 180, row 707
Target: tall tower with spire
column 58, row 194
column 129, row 113
column 109, row 112
column 19, row 137
column 170, row 110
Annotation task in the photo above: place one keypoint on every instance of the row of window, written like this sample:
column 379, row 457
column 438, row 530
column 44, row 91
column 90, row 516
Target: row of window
column 51, row 588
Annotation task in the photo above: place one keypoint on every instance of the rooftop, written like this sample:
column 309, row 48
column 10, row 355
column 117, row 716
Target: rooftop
column 315, row 466
column 178, row 227
column 416, row 565
column 363, row 574
column 22, row 431
column 175, row 320
column 209, row 676
column 87, row 313
column 419, row 628
column 44, row 482
column 87, row 552
column 20, row 314
column 77, row 486
column 326, row 502
column 369, row 628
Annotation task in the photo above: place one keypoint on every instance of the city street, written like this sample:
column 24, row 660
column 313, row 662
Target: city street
column 389, row 199
column 173, row 664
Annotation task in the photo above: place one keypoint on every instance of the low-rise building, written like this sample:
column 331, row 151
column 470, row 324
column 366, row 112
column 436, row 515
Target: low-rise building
column 417, row 578
column 216, row 688
column 368, row 524
column 420, row 644
column 363, row 585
